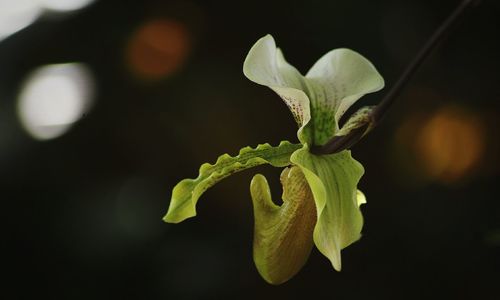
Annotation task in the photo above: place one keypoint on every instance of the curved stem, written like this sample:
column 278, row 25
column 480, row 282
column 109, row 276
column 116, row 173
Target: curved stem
column 339, row 143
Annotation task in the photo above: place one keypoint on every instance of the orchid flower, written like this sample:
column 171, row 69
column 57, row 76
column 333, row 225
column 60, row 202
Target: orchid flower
column 321, row 202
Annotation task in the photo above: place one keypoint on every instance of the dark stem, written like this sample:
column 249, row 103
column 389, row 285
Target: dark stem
column 339, row 143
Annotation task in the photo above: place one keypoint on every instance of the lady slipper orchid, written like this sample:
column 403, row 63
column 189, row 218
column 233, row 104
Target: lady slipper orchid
column 320, row 196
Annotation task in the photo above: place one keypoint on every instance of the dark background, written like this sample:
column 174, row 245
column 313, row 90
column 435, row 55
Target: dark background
column 82, row 212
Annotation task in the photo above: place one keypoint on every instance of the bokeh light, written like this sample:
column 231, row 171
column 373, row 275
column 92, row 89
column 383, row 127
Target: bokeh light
column 16, row 15
column 64, row 5
column 53, row 98
column 158, row 48
column 448, row 144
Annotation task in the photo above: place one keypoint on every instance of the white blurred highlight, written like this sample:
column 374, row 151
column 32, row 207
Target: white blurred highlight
column 64, row 5
column 53, row 98
column 16, row 15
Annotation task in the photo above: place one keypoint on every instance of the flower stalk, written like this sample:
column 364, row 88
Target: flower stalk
column 339, row 143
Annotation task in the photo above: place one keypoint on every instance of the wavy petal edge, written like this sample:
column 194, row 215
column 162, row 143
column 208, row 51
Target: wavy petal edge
column 186, row 193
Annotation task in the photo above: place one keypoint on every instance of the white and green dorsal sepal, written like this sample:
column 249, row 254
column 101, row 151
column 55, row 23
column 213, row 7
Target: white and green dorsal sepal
column 320, row 98
column 186, row 193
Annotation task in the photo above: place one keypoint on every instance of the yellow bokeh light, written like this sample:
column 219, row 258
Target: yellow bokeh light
column 158, row 48
column 449, row 144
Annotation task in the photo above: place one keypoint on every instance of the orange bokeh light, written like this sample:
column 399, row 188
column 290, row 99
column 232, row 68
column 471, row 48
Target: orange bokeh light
column 450, row 144
column 158, row 48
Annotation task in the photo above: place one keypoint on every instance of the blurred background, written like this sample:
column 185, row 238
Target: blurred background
column 106, row 105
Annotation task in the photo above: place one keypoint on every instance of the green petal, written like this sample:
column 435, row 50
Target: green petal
column 283, row 235
column 333, row 179
column 336, row 81
column 186, row 193
column 266, row 65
